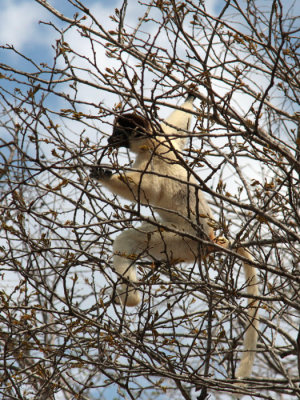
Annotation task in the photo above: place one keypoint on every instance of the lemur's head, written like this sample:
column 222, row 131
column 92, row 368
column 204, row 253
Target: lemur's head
column 131, row 131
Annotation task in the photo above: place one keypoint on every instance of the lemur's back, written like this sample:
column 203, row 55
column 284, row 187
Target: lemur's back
column 179, row 195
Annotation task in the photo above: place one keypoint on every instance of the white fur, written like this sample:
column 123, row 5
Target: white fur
column 181, row 207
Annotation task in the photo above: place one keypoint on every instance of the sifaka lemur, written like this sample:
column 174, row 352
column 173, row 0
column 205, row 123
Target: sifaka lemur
column 159, row 178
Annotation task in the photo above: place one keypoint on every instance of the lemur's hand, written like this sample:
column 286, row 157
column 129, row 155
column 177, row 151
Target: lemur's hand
column 99, row 173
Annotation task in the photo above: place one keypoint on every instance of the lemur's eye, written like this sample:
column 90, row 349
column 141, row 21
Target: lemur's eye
column 138, row 132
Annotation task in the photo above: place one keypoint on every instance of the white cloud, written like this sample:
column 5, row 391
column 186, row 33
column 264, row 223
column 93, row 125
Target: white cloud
column 19, row 23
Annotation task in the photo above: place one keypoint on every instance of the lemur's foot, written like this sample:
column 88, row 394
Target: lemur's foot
column 127, row 297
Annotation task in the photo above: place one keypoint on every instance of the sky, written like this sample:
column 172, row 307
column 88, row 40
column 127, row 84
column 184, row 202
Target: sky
column 21, row 27
column 20, row 24
column 28, row 33
column 24, row 24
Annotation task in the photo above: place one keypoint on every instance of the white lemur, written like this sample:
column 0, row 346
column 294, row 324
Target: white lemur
column 158, row 178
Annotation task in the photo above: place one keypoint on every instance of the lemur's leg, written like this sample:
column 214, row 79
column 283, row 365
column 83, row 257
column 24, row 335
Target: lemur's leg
column 147, row 241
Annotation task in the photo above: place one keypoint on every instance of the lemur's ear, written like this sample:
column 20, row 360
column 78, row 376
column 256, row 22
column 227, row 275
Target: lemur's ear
column 128, row 126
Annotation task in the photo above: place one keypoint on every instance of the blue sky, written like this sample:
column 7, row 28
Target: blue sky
column 20, row 25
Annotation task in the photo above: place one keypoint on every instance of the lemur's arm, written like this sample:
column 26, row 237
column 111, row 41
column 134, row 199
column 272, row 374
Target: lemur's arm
column 132, row 185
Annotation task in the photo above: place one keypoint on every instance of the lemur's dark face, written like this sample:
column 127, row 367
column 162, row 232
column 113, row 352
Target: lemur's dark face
column 127, row 129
